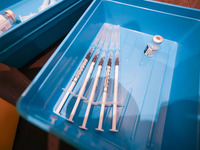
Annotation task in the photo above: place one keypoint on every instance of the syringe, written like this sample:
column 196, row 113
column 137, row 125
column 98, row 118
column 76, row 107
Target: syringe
column 114, row 121
column 105, row 91
column 117, row 48
column 94, row 44
column 92, row 94
column 82, row 90
column 57, row 111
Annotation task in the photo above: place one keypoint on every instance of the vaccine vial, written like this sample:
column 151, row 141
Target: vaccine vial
column 6, row 20
column 153, row 46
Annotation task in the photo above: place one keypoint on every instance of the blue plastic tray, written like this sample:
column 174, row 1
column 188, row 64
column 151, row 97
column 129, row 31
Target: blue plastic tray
column 160, row 95
column 25, row 40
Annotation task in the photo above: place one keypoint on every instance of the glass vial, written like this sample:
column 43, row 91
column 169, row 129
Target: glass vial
column 153, row 46
column 6, row 20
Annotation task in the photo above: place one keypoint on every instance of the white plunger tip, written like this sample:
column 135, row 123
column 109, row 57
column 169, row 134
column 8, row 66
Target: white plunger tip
column 70, row 120
column 84, row 128
column 113, row 130
column 99, row 129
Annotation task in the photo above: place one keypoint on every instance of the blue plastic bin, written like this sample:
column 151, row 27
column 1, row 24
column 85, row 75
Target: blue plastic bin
column 160, row 95
column 25, row 40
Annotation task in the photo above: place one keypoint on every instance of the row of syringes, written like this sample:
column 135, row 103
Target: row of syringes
column 103, row 42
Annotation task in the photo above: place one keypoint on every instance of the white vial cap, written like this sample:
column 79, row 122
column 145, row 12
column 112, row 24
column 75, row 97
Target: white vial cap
column 11, row 13
column 157, row 39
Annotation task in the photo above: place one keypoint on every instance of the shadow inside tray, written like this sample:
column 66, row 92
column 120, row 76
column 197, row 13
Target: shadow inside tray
column 182, row 125
column 174, row 123
column 126, row 115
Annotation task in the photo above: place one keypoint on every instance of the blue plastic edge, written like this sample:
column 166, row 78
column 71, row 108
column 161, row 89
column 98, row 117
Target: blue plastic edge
column 41, row 123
